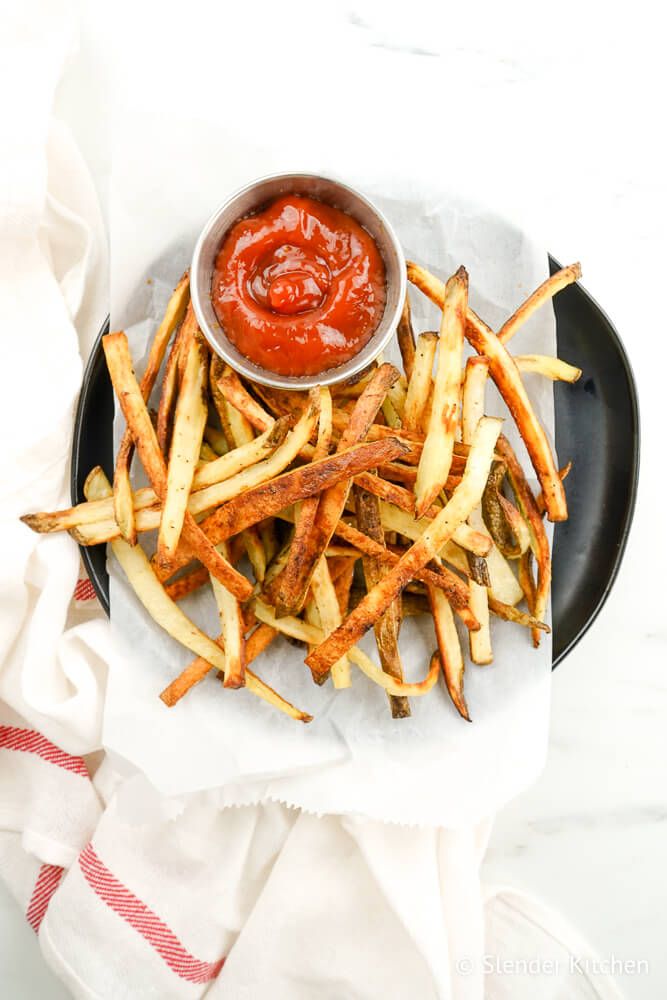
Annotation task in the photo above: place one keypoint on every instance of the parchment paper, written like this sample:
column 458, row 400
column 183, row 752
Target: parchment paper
column 433, row 768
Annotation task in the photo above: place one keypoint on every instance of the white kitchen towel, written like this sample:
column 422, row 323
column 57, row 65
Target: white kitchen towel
column 173, row 899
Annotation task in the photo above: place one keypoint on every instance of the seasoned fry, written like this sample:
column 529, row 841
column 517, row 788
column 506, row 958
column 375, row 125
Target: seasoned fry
column 506, row 376
column 232, row 627
column 122, row 489
column 539, row 542
column 436, row 456
column 420, row 382
column 508, row 529
column 553, row 368
column 149, row 590
column 546, row 291
column 539, row 500
column 387, row 627
column 187, row 583
column 172, row 376
column 230, row 388
column 289, row 594
column 464, row 499
column 406, row 339
column 449, row 654
column 186, row 439
column 134, row 409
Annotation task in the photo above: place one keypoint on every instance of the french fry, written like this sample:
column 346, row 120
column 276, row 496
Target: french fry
column 326, row 601
column 406, row 339
column 168, row 615
column 472, row 411
column 395, row 519
column 187, row 583
column 122, row 489
column 387, row 627
column 232, row 627
column 171, row 378
column 506, row 376
column 546, row 291
column 189, row 422
column 464, row 499
column 563, row 473
column 134, row 409
column 449, row 649
column 420, row 382
column 436, row 456
column 506, row 525
column 539, row 542
column 230, row 388
column 553, row 368
column 289, row 593
column 216, row 439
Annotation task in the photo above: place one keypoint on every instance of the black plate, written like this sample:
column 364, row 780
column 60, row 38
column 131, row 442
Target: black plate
column 597, row 427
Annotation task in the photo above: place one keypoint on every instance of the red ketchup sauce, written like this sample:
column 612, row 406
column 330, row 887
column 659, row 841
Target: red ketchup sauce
column 299, row 287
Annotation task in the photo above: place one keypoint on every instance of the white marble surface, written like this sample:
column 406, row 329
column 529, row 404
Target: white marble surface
column 553, row 113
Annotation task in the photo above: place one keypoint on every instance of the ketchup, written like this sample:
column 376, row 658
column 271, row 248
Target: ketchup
column 299, row 287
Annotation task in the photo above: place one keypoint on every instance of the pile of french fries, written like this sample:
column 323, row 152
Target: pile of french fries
column 356, row 506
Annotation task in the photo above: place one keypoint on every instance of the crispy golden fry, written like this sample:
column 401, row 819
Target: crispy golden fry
column 230, row 388
column 138, row 420
column 508, row 529
column 188, row 583
column 387, row 627
column 390, row 414
column 449, row 654
column 506, row 376
column 436, row 456
column 332, row 501
column 328, row 609
column 546, row 291
column 198, row 668
column 553, row 368
column 232, row 627
column 206, row 453
column 171, row 377
column 539, row 542
column 289, row 595
column 563, row 473
column 122, row 489
column 406, row 339
column 420, row 382
column 342, row 580
column 464, row 499
column 472, row 411
column 216, row 439
column 189, row 422
column 149, row 590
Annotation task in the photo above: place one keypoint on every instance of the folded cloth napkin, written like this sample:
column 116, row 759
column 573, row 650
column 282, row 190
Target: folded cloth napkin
column 133, row 895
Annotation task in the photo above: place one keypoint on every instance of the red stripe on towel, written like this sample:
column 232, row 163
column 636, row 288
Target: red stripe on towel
column 30, row 741
column 47, row 882
column 145, row 921
column 84, row 590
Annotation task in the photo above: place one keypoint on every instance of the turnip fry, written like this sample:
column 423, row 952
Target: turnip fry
column 138, row 420
column 406, row 339
column 546, row 291
column 149, row 590
column 464, row 499
column 542, row 364
column 420, row 382
column 436, row 456
column 122, row 490
column 449, row 649
column 232, row 628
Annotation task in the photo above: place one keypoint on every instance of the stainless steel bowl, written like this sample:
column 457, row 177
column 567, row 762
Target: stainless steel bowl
column 250, row 199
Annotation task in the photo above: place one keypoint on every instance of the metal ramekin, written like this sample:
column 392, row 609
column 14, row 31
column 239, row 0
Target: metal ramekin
column 250, row 199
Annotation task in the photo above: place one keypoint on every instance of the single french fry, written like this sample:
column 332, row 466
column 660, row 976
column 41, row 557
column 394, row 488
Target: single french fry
column 387, row 627
column 326, row 601
column 289, row 593
column 186, row 439
column 464, row 499
column 122, row 489
column 436, row 456
column 229, row 386
column 539, row 500
column 171, row 377
column 546, row 291
column 507, row 378
column 168, row 615
column 406, row 339
column 232, row 627
column 394, row 519
column 553, row 368
column 138, row 420
column 539, row 542
column 188, row 583
column 449, row 649
column 216, row 439
column 420, row 382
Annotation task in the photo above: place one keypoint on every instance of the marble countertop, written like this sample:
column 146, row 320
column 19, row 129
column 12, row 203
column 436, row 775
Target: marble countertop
column 558, row 119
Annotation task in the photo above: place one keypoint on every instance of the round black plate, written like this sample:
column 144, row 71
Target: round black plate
column 597, row 427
